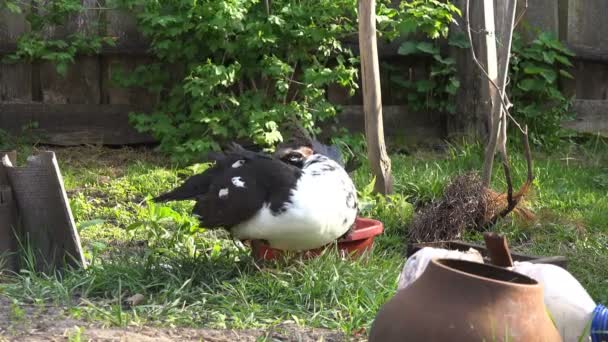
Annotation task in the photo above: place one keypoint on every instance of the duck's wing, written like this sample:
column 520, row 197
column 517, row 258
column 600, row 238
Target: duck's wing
column 230, row 200
column 198, row 185
column 193, row 187
column 235, row 150
column 238, row 193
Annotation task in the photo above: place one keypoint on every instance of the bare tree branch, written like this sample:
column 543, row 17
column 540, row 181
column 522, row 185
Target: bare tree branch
column 505, row 102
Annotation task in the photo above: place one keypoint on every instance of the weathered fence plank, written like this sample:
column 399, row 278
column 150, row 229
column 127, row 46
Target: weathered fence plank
column 8, row 217
column 591, row 117
column 471, row 109
column 587, row 32
column 74, row 124
column 591, row 81
column 598, row 54
column 587, row 23
column 122, row 26
column 398, row 121
column 15, row 79
column 112, row 93
column 81, row 83
column 47, row 222
column 540, row 14
column 79, row 86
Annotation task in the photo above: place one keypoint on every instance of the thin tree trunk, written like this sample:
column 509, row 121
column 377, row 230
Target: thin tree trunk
column 372, row 100
column 497, row 63
column 491, row 63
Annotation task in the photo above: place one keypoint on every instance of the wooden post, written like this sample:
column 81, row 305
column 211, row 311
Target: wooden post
column 469, row 122
column 47, row 224
column 8, row 218
column 372, row 100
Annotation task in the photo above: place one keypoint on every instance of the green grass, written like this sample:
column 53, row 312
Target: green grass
column 193, row 277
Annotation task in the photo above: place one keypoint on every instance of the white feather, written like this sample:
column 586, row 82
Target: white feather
column 238, row 182
column 223, row 192
column 238, row 164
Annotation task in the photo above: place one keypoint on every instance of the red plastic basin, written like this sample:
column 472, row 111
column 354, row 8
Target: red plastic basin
column 359, row 241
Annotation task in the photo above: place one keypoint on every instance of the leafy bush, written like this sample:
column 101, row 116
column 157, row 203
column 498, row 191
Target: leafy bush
column 536, row 69
column 393, row 210
column 249, row 68
column 430, row 19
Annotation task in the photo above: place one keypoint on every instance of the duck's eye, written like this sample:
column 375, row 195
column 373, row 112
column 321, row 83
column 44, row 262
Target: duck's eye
column 295, row 157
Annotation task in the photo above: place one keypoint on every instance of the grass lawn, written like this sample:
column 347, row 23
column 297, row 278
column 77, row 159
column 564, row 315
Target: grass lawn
column 196, row 278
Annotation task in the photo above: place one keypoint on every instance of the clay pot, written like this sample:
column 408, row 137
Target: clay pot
column 458, row 300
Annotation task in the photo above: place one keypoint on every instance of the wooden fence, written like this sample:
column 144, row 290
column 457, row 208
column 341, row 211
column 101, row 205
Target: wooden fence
column 85, row 107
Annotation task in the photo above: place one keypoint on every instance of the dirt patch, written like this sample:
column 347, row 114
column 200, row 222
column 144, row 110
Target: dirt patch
column 112, row 159
column 149, row 334
column 33, row 323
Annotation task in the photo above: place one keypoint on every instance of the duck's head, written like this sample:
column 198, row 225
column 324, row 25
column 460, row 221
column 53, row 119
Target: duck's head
column 301, row 146
column 294, row 155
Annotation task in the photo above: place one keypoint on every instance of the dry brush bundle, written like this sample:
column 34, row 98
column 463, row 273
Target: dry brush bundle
column 467, row 204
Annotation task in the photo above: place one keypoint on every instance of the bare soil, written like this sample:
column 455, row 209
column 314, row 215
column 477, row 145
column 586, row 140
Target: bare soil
column 35, row 323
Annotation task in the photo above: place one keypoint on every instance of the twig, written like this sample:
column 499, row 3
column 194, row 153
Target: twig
column 291, row 80
column 510, row 203
column 528, row 154
column 253, row 85
column 293, row 74
column 521, row 15
column 295, row 94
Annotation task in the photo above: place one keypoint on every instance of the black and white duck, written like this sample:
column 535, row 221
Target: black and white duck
column 297, row 202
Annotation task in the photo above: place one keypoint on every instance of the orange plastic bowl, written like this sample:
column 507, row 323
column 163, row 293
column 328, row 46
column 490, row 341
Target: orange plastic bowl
column 359, row 241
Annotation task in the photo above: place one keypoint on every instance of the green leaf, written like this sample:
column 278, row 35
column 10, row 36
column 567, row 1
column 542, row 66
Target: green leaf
column 402, row 82
column 13, row 7
column 531, row 84
column 62, row 68
column 424, row 85
column 427, row 48
column 407, row 26
column 90, row 223
column 549, row 56
column 564, row 60
column 549, row 75
column 451, row 107
column 535, row 70
column 408, row 48
column 566, row 74
column 369, row 188
column 134, row 226
column 453, row 85
column 459, row 40
column 445, row 61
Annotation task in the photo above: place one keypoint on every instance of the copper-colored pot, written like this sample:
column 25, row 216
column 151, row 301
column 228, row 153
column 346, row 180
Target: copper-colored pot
column 457, row 300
